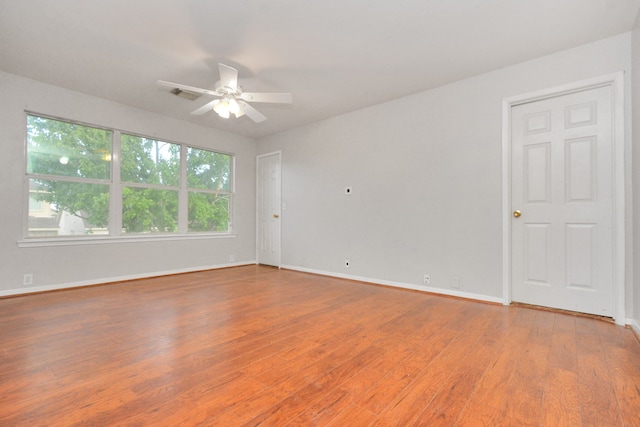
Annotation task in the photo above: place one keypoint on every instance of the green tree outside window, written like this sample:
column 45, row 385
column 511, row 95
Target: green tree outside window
column 70, row 169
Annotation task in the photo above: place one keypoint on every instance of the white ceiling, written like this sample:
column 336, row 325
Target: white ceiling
column 334, row 56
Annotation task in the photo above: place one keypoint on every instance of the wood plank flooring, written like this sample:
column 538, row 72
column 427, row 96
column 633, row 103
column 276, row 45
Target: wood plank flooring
column 258, row 346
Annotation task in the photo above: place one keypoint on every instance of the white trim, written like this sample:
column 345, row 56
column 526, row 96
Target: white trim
column 506, row 202
column 619, row 194
column 448, row 292
column 116, row 185
column 29, row 290
column 633, row 324
column 115, row 189
column 616, row 81
column 130, row 238
column 258, row 157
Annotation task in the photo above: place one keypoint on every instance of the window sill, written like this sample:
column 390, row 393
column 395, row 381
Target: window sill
column 75, row 241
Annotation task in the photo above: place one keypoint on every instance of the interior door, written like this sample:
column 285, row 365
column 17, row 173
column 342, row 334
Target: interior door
column 562, row 200
column 268, row 209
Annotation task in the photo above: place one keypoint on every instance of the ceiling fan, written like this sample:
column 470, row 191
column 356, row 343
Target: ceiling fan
column 231, row 99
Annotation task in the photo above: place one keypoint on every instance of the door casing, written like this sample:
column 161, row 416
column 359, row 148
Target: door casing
column 279, row 203
column 616, row 81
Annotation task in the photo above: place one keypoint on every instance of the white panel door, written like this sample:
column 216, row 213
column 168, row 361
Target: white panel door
column 562, row 186
column 268, row 209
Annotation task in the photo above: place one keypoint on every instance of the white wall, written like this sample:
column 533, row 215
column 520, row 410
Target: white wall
column 426, row 177
column 85, row 264
column 425, row 170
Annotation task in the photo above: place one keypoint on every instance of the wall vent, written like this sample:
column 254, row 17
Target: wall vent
column 191, row 96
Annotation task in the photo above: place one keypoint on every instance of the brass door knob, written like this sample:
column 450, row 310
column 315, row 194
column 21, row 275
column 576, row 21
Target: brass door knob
column 276, row 216
column 517, row 214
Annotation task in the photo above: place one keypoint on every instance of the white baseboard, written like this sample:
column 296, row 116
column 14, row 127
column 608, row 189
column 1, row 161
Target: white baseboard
column 33, row 289
column 448, row 292
column 633, row 323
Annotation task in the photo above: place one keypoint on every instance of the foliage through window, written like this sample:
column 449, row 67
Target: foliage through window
column 85, row 180
column 208, row 181
column 150, row 173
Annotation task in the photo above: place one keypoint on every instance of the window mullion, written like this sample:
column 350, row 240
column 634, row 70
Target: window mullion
column 183, row 197
column 150, row 186
column 63, row 178
column 232, row 191
column 115, row 202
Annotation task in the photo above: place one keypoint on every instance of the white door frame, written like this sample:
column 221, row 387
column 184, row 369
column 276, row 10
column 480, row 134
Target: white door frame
column 616, row 81
column 258, row 157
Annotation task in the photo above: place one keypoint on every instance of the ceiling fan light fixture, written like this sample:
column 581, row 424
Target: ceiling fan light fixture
column 234, row 107
column 222, row 108
column 224, row 114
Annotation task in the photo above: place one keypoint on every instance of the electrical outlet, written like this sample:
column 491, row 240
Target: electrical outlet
column 232, row 258
column 347, row 263
column 427, row 279
column 455, row 282
column 27, row 280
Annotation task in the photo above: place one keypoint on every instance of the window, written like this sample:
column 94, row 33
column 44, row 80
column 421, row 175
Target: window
column 150, row 175
column 69, row 170
column 84, row 180
column 208, row 182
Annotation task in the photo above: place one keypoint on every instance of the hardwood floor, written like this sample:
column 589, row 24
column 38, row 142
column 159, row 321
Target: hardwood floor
column 260, row 346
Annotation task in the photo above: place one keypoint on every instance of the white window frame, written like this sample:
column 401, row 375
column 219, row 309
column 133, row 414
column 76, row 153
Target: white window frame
column 115, row 195
column 185, row 189
column 119, row 184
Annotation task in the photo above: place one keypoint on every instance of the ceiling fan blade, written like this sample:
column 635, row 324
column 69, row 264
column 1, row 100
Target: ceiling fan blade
column 228, row 76
column 275, row 98
column 206, row 107
column 188, row 88
column 252, row 113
